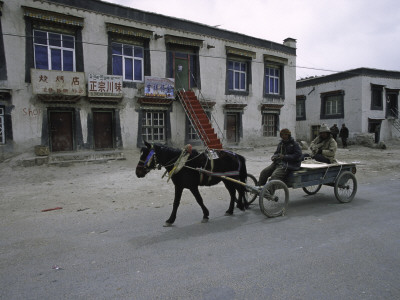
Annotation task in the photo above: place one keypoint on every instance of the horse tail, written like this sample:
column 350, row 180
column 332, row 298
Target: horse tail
column 243, row 169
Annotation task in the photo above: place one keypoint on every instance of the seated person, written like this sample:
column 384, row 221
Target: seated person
column 323, row 147
column 286, row 158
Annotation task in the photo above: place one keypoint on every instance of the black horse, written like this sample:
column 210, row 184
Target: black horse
column 227, row 164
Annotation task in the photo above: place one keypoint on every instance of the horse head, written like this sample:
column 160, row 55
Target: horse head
column 147, row 160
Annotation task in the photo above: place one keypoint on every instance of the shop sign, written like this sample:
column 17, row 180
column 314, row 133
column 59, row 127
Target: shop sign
column 46, row 82
column 159, row 87
column 109, row 86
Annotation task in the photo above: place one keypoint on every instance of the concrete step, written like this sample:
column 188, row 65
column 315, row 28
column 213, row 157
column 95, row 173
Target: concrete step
column 66, row 158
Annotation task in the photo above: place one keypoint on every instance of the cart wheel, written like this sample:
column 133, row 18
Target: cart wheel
column 345, row 187
column 312, row 189
column 251, row 180
column 274, row 199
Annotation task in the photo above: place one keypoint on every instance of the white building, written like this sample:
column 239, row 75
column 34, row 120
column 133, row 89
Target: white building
column 366, row 100
column 73, row 74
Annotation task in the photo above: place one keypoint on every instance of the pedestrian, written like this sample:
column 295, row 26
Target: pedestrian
column 344, row 134
column 286, row 158
column 334, row 131
column 323, row 147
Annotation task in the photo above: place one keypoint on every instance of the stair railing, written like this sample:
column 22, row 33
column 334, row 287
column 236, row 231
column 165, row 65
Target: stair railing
column 214, row 121
column 396, row 122
column 193, row 118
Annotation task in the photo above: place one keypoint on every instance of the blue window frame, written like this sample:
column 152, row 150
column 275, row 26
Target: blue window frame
column 237, row 75
column 272, row 80
column 127, row 61
column 54, row 51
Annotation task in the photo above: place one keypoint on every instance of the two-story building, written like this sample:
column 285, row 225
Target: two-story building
column 79, row 75
column 366, row 100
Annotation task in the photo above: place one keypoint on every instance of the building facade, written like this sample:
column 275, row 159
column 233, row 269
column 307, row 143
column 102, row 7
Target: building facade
column 76, row 75
column 366, row 100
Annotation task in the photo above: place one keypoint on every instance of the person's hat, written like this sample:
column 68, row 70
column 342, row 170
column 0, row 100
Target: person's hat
column 324, row 128
column 285, row 131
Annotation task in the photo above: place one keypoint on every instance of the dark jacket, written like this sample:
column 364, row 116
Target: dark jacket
column 344, row 133
column 292, row 154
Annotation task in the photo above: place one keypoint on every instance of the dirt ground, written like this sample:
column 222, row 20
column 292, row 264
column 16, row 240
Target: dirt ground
column 94, row 188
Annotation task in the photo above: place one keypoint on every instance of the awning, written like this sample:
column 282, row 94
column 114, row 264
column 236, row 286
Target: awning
column 172, row 39
column 131, row 31
column 240, row 52
column 51, row 16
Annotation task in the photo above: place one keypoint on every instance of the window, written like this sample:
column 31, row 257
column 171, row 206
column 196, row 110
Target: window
column 54, row 51
column 272, row 80
column 2, row 129
column 192, row 135
column 127, row 61
column 269, row 124
column 300, row 108
column 376, row 97
column 332, row 105
column 153, row 126
column 237, row 73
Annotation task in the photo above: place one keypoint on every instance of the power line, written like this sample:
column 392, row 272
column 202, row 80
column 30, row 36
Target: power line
column 166, row 51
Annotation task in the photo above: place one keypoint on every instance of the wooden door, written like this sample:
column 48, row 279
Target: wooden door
column 103, row 130
column 231, row 128
column 61, row 131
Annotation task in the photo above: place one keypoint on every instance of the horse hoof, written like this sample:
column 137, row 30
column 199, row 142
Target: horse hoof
column 204, row 221
column 228, row 214
column 167, row 224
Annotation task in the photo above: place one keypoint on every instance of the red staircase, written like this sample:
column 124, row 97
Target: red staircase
column 199, row 119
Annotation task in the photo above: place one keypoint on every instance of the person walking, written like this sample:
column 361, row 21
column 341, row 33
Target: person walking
column 344, row 134
column 334, row 131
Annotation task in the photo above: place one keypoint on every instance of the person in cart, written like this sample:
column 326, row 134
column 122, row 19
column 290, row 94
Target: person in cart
column 323, row 147
column 286, row 158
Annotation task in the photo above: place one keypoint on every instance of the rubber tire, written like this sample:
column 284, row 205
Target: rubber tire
column 283, row 202
column 350, row 187
column 309, row 191
column 250, row 196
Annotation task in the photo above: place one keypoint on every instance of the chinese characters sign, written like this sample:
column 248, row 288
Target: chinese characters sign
column 105, row 86
column 46, row 82
column 159, row 87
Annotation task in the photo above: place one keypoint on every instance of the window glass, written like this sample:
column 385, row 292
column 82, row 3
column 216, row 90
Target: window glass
column 138, row 52
column 54, row 39
column 116, row 48
column 237, row 74
column 272, row 80
column 138, row 70
column 129, row 68
column 41, row 57
column 40, row 37
column 117, row 65
column 59, row 51
column 68, row 60
column 68, row 41
column 56, row 59
column 127, row 61
column 128, row 50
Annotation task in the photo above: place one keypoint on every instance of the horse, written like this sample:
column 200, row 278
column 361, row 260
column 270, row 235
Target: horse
column 189, row 177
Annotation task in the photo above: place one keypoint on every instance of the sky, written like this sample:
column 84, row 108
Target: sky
column 332, row 36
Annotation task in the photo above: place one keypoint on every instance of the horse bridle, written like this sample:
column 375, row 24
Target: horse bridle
column 148, row 162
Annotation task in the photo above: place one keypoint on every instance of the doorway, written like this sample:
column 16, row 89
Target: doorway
column 232, row 132
column 61, row 131
column 391, row 107
column 181, row 71
column 103, row 130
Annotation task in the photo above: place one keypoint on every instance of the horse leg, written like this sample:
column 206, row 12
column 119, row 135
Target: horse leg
column 177, row 201
column 199, row 199
column 232, row 192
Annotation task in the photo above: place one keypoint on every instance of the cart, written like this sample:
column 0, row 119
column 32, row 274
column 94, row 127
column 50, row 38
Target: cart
column 274, row 195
